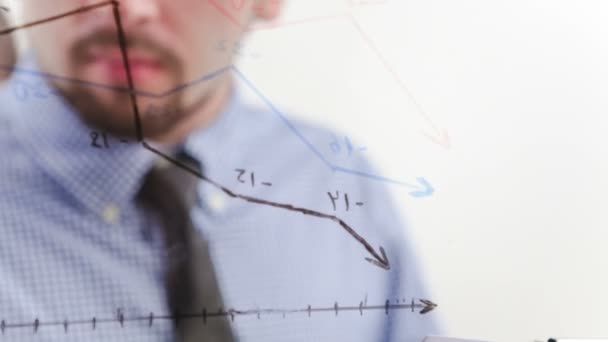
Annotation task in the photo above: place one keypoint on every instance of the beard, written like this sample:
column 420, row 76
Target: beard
column 118, row 115
column 112, row 108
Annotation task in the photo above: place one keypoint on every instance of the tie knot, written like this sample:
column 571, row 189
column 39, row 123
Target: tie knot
column 175, row 180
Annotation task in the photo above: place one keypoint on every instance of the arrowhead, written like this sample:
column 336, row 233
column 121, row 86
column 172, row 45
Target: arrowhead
column 428, row 306
column 440, row 138
column 426, row 189
column 380, row 262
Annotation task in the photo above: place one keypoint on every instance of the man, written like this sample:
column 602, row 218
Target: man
column 100, row 243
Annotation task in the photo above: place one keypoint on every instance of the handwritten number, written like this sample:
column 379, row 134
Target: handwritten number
column 240, row 176
column 23, row 90
column 336, row 145
column 334, row 199
column 95, row 137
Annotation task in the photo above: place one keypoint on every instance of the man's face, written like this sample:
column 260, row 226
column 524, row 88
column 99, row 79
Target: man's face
column 170, row 43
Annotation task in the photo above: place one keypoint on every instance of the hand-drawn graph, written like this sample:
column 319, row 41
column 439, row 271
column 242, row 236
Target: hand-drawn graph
column 377, row 258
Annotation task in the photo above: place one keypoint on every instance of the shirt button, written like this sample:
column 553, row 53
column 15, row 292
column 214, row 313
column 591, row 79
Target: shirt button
column 111, row 213
column 216, row 201
column 162, row 163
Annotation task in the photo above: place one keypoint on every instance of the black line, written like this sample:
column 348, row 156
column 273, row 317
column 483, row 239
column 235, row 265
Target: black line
column 122, row 42
column 59, row 16
column 121, row 320
column 380, row 261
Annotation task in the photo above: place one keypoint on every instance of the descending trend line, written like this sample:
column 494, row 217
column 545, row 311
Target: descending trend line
column 438, row 136
column 425, row 306
column 379, row 259
column 421, row 189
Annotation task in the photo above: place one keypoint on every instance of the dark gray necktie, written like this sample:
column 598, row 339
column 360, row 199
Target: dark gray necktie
column 191, row 284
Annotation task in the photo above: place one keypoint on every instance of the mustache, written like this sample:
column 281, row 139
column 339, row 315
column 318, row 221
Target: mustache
column 108, row 38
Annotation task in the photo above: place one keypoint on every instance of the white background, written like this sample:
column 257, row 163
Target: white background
column 513, row 239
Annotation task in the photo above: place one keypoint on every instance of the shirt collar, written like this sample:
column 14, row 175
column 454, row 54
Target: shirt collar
column 51, row 131
column 215, row 141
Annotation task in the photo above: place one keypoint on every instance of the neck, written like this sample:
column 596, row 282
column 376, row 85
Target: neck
column 202, row 115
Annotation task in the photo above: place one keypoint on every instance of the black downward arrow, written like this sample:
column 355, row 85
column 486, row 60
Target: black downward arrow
column 377, row 259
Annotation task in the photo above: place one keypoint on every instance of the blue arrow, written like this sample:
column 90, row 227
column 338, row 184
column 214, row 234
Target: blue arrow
column 427, row 189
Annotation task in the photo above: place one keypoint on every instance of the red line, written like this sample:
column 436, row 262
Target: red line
column 392, row 71
column 272, row 26
column 368, row 3
column 227, row 14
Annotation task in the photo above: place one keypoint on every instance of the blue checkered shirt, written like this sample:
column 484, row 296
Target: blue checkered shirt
column 74, row 245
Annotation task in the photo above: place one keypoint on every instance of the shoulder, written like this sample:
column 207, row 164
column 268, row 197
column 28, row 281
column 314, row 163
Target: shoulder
column 17, row 166
column 294, row 139
column 321, row 160
column 278, row 134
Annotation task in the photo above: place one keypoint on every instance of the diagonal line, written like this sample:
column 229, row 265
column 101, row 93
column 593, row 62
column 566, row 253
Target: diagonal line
column 283, row 118
column 392, row 71
column 122, row 42
column 227, row 14
column 60, row 16
column 310, row 145
column 277, row 25
column 374, row 177
column 284, row 206
column 34, row 72
column 115, row 88
column 196, row 81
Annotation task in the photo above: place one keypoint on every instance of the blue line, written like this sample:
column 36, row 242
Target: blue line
column 61, row 78
column 207, row 77
column 202, row 79
column 284, row 119
column 374, row 177
column 117, row 89
column 311, row 146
